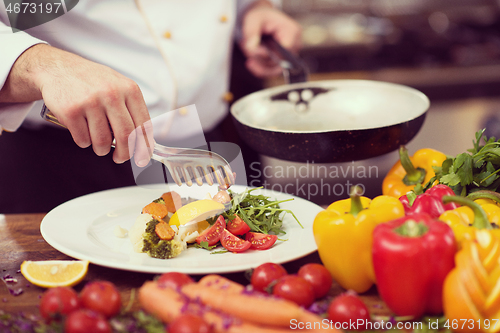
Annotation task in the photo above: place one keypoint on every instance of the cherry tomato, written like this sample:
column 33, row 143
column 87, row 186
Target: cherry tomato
column 174, row 280
column 102, row 297
column 212, row 235
column 348, row 308
column 237, row 226
column 189, row 323
column 57, row 302
column 318, row 276
column 266, row 274
column 233, row 243
column 85, row 321
column 260, row 241
column 295, row 289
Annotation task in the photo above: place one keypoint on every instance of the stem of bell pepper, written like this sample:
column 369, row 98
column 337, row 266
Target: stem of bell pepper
column 484, row 194
column 413, row 175
column 411, row 197
column 411, row 228
column 480, row 218
column 356, row 205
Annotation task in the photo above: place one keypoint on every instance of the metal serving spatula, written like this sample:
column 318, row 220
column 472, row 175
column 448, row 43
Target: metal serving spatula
column 185, row 165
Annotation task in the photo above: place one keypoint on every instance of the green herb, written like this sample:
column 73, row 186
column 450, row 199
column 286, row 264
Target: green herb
column 125, row 322
column 204, row 245
column 137, row 321
column 160, row 201
column 258, row 211
column 477, row 169
column 219, row 252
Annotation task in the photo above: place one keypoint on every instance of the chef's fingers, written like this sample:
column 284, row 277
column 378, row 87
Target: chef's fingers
column 263, row 68
column 76, row 123
column 100, row 133
column 251, row 30
column 287, row 32
column 289, row 36
column 122, row 125
column 144, row 144
column 142, row 141
column 267, row 20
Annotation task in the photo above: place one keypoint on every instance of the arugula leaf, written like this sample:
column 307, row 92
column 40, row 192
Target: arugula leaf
column 258, row 211
column 219, row 252
column 204, row 245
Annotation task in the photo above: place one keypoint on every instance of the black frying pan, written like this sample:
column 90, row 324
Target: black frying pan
column 329, row 121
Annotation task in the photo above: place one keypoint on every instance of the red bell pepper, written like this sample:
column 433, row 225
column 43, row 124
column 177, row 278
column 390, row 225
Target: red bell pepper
column 411, row 257
column 429, row 202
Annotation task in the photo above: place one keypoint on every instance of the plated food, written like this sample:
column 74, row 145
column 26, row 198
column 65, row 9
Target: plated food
column 235, row 221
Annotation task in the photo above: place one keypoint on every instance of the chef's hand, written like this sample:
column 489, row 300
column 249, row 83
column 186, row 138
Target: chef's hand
column 261, row 19
column 93, row 101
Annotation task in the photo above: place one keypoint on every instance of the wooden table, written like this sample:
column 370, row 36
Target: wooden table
column 20, row 240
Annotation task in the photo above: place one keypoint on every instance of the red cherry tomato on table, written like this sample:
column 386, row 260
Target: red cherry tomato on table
column 174, row 280
column 57, row 302
column 318, row 276
column 86, row 321
column 265, row 274
column 102, row 297
column 295, row 289
column 349, row 308
column 212, row 235
column 189, row 323
column 260, row 241
column 237, row 226
column 233, row 243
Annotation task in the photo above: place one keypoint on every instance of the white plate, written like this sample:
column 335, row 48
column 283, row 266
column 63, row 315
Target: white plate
column 83, row 228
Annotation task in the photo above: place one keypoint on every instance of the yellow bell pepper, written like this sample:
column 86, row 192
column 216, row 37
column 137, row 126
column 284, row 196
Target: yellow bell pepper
column 467, row 219
column 410, row 171
column 343, row 234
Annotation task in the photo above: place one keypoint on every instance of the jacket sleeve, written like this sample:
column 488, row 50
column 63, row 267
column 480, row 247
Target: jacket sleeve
column 12, row 46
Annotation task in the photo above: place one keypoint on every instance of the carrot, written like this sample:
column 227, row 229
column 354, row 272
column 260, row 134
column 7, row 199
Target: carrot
column 159, row 211
column 164, row 231
column 255, row 308
column 172, row 200
column 167, row 303
column 220, row 282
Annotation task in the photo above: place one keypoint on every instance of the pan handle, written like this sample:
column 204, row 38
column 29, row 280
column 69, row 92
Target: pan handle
column 294, row 69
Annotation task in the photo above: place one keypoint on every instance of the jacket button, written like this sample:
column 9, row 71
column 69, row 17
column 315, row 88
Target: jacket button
column 228, row 96
column 223, row 18
column 167, row 35
column 183, row 111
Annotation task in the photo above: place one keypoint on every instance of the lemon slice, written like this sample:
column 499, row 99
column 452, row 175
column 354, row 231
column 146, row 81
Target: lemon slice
column 54, row 273
column 196, row 211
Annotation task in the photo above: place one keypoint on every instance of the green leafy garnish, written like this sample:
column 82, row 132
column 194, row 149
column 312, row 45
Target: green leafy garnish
column 204, row 245
column 477, row 169
column 219, row 252
column 258, row 211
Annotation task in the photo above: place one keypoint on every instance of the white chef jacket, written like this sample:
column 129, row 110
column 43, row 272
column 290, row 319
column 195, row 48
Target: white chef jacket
column 178, row 52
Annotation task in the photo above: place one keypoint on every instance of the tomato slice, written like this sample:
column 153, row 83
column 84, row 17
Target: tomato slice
column 260, row 241
column 212, row 235
column 233, row 243
column 237, row 226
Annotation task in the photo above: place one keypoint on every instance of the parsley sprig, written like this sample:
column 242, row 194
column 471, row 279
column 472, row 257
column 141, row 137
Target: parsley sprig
column 477, row 169
column 258, row 211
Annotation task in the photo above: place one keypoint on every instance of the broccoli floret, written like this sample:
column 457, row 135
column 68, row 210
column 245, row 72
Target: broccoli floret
column 160, row 201
column 156, row 247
